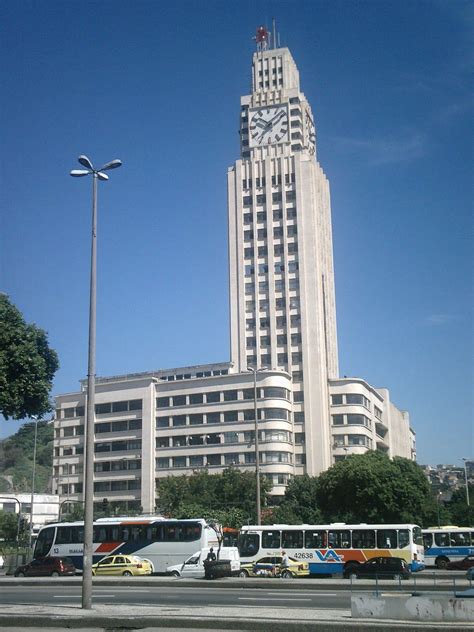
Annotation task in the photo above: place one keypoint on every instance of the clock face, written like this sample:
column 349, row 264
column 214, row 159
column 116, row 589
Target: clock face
column 268, row 125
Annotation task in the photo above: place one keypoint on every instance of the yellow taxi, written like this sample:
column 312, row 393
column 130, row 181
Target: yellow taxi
column 126, row 565
column 271, row 567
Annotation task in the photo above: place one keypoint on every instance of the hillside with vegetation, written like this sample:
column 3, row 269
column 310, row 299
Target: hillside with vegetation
column 16, row 459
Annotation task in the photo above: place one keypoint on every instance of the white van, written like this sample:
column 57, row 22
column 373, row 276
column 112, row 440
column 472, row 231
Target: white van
column 194, row 565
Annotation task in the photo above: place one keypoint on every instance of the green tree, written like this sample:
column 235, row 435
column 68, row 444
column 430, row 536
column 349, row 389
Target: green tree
column 300, row 503
column 27, row 365
column 230, row 495
column 461, row 514
column 373, row 488
column 8, row 525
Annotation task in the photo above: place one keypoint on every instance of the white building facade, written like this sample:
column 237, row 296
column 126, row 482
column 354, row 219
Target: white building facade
column 283, row 325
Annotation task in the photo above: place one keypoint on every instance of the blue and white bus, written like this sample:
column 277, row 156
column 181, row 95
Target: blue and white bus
column 161, row 541
column 447, row 544
column 330, row 548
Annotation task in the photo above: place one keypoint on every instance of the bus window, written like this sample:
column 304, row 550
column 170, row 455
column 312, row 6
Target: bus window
column 135, row 533
column 403, row 538
column 44, row 542
column 157, row 533
column 387, row 539
column 340, row 539
column 190, row 532
column 271, row 539
column 427, row 540
column 460, row 538
column 442, row 539
column 364, row 539
column 114, row 536
column 248, row 544
column 292, row 539
column 79, row 534
column 63, row 535
column 315, row 539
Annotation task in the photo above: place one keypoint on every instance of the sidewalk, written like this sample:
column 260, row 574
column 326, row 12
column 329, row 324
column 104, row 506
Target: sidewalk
column 105, row 617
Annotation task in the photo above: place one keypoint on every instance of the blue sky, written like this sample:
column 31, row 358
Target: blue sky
column 158, row 86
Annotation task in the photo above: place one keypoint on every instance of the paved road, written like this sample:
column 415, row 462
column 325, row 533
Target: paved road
column 64, row 595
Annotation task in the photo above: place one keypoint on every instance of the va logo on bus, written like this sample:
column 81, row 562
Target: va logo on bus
column 328, row 556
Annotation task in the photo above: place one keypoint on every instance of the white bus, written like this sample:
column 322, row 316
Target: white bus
column 164, row 542
column 329, row 549
column 447, row 544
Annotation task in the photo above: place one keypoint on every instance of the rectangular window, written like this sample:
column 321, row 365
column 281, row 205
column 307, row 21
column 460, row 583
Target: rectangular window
column 281, row 321
column 118, row 407
column 262, row 251
column 339, row 539
column 262, row 268
column 231, row 415
column 277, row 214
column 292, row 247
column 278, row 249
column 162, row 402
column 213, row 439
column 261, row 216
column 213, row 459
column 196, row 440
column 213, row 418
column 162, row 422
column 248, row 252
column 231, row 437
column 179, row 461
column 292, row 231
column 298, row 397
column 297, row 356
column 278, row 232
column 363, row 539
column 315, row 539
column 271, row 539
column 292, row 539
column 196, row 420
column 291, row 213
column 196, row 461
column 336, row 400
column 261, row 199
column 102, row 409
column 337, row 420
column 213, row 397
column 262, row 233
column 179, row 420
column 386, row 539
column 196, row 398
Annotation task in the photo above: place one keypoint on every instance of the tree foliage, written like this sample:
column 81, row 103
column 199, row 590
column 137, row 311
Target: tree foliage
column 460, row 512
column 16, row 459
column 300, row 503
column 27, row 365
column 228, row 498
column 373, row 488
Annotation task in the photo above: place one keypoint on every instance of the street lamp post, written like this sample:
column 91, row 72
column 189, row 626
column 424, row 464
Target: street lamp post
column 465, row 480
column 97, row 174
column 33, row 481
column 257, row 459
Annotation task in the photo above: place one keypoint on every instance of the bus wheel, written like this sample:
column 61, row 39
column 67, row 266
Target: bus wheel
column 441, row 562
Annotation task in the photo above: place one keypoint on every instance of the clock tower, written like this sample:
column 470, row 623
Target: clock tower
column 282, row 299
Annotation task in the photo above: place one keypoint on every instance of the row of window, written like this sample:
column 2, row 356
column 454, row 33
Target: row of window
column 276, row 180
column 261, row 216
column 322, row 539
column 118, row 466
column 278, row 232
column 280, row 322
column 279, row 268
column 278, row 249
column 351, row 420
column 449, row 538
column 280, row 303
column 216, row 438
column 350, row 398
column 189, row 376
column 281, row 340
column 247, row 414
column 117, row 486
column 282, row 359
column 247, row 458
column 261, row 198
column 353, row 440
column 166, row 532
column 118, row 446
column 293, row 284
column 211, row 397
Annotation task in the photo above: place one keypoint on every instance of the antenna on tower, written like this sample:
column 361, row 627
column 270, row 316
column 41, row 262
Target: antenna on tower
column 274, row 34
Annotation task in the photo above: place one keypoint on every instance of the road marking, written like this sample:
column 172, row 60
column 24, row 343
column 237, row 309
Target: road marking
column 308, row 594
column 270, row 599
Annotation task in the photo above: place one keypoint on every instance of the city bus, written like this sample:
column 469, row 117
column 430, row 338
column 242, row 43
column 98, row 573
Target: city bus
column 330, row 548
column 161, row 541
column 447, row 544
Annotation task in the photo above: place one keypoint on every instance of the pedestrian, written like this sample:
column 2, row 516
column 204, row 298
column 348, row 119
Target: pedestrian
column 285, row 562
column 211, row 556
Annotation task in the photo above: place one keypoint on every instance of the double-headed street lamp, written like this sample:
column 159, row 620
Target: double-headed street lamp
column 97, row 174
column 33, row 476
column 257, row 459
column 466, row 480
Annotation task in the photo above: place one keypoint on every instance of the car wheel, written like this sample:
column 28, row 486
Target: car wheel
column 127, row 574
column 397, row 577
column 20, row 574
column 55, row 574
column 442, row 562
column 243, row 574
column 175, row 574
column 352, row 576
column 287, row 575
column 93, row 573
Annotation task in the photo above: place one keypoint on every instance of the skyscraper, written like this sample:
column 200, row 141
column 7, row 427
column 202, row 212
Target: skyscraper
column 282, row 299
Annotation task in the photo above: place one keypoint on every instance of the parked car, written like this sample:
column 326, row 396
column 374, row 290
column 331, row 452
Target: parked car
column 47, row 567
column 271, row 567
column 381, row 567
column 461, row 565
column 470, row 573
column 122, row 565
column 194, row 565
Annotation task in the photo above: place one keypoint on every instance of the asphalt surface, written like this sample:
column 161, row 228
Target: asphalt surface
column 146, row 617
